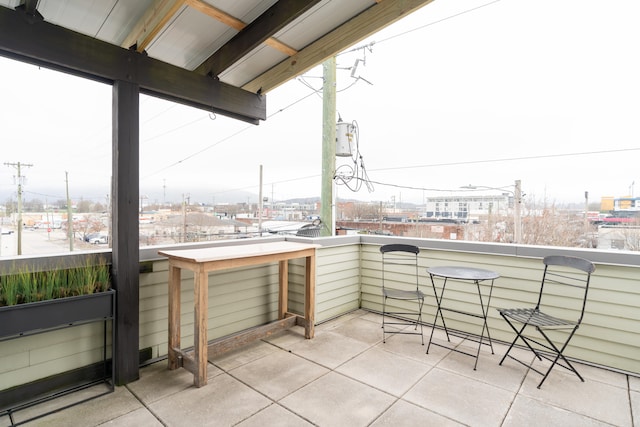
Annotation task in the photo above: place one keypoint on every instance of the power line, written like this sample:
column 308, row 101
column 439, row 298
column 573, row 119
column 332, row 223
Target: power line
column 315, row 92
column 410, row 187
column 455, row 15
column 246, row 128
column 510, row 159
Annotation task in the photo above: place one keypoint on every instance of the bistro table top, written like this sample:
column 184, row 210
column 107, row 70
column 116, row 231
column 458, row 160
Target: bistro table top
column 463, row 273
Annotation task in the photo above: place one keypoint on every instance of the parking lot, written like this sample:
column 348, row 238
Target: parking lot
column 41, row 241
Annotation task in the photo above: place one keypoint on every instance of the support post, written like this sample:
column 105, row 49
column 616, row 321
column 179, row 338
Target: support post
column 125, row 254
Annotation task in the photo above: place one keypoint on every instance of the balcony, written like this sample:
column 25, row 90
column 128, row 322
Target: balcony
column 346, row 375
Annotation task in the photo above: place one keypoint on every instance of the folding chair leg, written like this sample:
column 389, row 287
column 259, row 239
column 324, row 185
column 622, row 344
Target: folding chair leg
column 403, row 322
column 384, row 309
column 559, row 355
column 518, row 336
column 420, row 304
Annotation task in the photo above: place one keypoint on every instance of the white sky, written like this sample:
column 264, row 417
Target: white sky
column 547, row 92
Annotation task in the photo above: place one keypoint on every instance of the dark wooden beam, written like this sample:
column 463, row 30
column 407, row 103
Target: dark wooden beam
column 266, row 25
column 371, row 20
column 55, row 47
column 125, row 229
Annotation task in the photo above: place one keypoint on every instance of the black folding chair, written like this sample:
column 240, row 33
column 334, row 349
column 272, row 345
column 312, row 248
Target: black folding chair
column 400, row 282
column 565, row 283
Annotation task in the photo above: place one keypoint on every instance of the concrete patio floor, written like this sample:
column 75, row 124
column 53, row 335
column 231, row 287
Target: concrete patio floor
column 346, row 376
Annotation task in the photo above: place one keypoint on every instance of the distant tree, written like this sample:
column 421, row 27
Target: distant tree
column 84, row 205
column 34, row 205
column 360, row 211
column 60, row 204
column 9, row 207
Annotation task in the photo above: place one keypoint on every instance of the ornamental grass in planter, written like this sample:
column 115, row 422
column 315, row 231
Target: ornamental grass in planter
column 35, row 301
column 23, row 286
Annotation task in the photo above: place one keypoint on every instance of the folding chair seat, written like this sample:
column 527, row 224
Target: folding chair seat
column 561, row 302
column 400, row 282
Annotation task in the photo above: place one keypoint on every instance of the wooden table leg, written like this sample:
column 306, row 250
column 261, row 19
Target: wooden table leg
column 310, row 297
column 174, row 316
column 201, row 294
column 283, row 295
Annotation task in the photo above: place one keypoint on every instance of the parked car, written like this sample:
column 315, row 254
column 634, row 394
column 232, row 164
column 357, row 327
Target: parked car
column 99, row 240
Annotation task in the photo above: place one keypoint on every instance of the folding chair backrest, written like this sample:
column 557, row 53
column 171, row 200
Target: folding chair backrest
column 400, row 266
column 565, row 285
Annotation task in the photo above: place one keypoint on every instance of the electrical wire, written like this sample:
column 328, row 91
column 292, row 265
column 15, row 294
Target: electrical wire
column 314, row 92
column 220, row 141
column 355, row 171
column 510, row 159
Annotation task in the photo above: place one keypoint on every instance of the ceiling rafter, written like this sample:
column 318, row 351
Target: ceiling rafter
column 217, row 14
column 157, row 17
column 375, row 18
column 151, row 23
column 257, row 32
column 237, row 24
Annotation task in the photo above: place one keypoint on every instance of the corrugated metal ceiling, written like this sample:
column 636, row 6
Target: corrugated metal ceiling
column 185, row 33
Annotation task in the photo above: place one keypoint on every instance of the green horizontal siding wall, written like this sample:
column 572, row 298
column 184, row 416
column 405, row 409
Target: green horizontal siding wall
column 348, row 277
column 608, row 336
column 337, row 281
column 245, row 297
column 238, row 299
column 30, row 358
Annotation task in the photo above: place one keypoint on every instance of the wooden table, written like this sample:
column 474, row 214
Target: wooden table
column 203, row 261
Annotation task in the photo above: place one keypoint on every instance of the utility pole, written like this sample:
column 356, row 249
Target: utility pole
column 517, row 226
column 19, row 166
column 69, row 214
column 185, row 201
column 260, row 206
column 328, row 144
column 586, row 211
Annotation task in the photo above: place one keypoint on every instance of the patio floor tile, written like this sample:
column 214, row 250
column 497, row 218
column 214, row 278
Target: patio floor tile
column 224, row 401
column 275, row 415
column 346, row 376
column 157, row 381
column 405, row 414
column 91, row 413
column 362, row 328
column 322, row 349
column 336, row 400
column 594, row 399
column 530, row 412
column 278, row 374
column 385, row 371
column 246, row 354
column 461, row 398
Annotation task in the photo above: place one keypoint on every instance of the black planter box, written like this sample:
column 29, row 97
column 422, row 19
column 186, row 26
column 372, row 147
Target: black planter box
column 25, row 319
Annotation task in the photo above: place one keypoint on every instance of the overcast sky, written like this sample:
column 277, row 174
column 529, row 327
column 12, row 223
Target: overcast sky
column 462, row 92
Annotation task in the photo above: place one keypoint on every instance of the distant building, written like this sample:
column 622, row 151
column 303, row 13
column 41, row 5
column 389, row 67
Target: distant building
column 466, row 207
column 609, row 203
